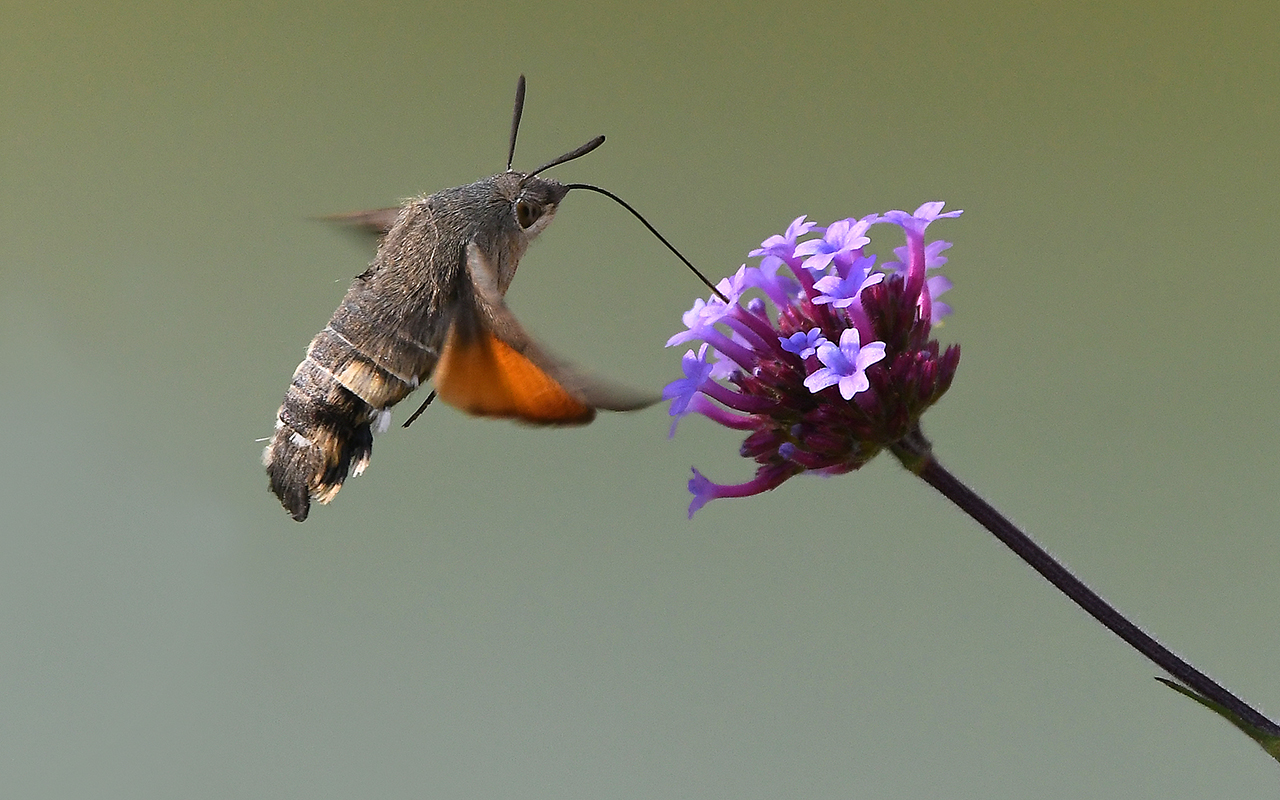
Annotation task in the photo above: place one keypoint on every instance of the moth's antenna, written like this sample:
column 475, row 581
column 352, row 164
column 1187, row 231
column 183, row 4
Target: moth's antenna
column 652, row 230
column 578, row 152
column 515, row 121
column 515, row 128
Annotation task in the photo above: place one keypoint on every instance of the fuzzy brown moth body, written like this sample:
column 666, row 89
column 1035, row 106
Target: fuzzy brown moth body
column 430, row 307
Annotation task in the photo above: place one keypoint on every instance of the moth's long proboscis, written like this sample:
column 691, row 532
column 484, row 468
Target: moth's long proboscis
column 652, row 230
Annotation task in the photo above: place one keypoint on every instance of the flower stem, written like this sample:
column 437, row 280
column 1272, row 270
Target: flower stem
column 916, row 455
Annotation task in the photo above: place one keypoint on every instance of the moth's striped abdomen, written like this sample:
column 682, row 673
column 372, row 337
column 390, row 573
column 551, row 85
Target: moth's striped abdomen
column 379, row 345
column 338, row 398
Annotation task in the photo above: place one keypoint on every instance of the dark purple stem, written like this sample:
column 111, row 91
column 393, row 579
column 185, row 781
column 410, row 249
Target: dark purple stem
column 916, row 455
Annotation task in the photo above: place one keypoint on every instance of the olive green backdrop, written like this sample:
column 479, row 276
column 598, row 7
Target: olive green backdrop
column 495, row 611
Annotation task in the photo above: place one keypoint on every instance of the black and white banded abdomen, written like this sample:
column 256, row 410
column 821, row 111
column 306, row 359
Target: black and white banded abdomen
column 339, row 397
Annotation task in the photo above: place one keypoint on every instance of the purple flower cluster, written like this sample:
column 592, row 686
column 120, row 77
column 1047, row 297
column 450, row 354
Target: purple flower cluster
column 840, row 368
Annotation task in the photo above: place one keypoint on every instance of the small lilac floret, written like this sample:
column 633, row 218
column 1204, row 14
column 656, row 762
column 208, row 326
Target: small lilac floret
column 841, row 241
column 846, row 365
column 697, row 371
column 936, row 286
column 683, row 392
column 733, row 286
column 700, row 319
column 843, row 292
column 803, row 344
column 933, row 258
column 917, row 221
column 784, row 246
column 914, row 255
column 781, row 289
column 704, row 490
column 933, row 286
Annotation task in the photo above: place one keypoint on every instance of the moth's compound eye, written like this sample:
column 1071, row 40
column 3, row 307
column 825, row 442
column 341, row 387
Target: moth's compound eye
column 527, row 213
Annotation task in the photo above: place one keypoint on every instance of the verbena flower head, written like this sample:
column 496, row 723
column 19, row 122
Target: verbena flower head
column 841, row 367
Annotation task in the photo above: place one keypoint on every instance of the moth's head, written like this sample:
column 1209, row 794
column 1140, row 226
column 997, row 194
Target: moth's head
column 532, row 201
column 511, row 209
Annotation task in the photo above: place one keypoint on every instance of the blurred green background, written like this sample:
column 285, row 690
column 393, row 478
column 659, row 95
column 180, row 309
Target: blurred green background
column 495, row 611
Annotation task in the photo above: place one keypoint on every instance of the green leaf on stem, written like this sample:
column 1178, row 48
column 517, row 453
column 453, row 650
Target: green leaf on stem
column 1267, row 741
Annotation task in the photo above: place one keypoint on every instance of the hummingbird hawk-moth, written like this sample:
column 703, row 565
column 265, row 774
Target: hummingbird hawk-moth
column 430, row 307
